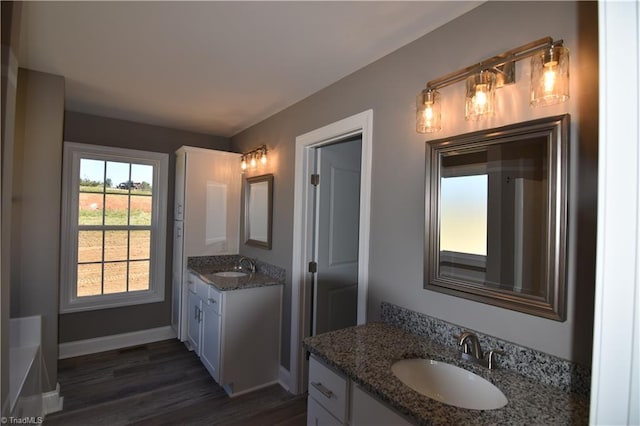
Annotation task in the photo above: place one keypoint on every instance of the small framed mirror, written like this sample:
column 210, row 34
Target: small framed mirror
column 496, row 216
column 258, row 210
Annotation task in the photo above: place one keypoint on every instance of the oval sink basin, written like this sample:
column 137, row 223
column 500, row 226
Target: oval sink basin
column 231, row 274
column 449, row 384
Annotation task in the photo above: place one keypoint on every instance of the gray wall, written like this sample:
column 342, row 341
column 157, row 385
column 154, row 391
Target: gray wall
column 96, row 130
column 35, row 237
column 389, row 87
column 11, row 13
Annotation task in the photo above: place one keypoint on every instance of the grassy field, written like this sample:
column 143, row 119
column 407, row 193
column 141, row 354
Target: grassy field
column 120, row 247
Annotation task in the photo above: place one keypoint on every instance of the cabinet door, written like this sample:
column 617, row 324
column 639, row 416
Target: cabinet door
column 368, row 411
column 318, row 416
column 176, row 281
column 210, row 344
column 212, row 215
column 181, row 163
column 193, row 321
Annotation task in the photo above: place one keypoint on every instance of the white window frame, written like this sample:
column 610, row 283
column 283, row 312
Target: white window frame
column 73, row 153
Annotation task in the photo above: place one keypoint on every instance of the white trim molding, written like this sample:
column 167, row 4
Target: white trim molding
column 284, row 378
column 52, row 402
column 358, row 124
column 74, row 152
column 615, row 378
column 117, row 341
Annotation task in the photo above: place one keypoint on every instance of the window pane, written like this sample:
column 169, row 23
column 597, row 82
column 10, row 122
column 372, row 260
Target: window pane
column 140, row 245
column 140, row 210
column 115, row 277
column 116, row 210
column 115, row 245
column 118, row 176
column 89, row 279
column 139, row 275
column 90, row 208
column 463, row 228
column 142, row 176
column 91, row 175
column 89, row 246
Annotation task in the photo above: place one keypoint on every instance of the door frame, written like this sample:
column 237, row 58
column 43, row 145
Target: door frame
column 358, row 124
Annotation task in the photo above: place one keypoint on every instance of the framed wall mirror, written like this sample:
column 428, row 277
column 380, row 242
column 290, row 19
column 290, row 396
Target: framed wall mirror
column 258, row 210
column 496, row 216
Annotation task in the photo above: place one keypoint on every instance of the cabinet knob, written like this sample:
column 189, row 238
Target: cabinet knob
column 212, row 300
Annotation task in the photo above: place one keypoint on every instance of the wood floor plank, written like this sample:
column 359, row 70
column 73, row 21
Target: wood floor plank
column 162, row 383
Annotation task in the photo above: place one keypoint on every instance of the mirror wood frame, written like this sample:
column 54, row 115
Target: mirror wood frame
column 552, row 304
column 247, row 203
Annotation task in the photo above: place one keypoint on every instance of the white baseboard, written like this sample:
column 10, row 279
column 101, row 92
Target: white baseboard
column 117, row 341
column 283, row 378
column 52, row 401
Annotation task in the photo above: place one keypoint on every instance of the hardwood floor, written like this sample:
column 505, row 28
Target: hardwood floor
column 162, row 383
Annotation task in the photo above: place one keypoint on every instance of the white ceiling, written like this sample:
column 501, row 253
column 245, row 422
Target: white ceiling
column 213, row 67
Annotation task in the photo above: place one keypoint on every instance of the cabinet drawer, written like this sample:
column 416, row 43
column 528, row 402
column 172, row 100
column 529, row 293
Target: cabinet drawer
column 318, row 416
column 328, row 388
column 214, row 299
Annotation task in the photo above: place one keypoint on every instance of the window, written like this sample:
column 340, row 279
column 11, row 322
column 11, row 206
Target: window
column 463, row 201
column 113, row 227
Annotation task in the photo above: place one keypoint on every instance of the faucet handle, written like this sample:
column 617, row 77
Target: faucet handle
column 490, row 358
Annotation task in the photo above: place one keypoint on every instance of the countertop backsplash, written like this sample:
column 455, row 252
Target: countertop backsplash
column 545, row 368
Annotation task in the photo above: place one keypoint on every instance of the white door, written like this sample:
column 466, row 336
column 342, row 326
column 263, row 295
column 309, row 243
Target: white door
column 335, row 294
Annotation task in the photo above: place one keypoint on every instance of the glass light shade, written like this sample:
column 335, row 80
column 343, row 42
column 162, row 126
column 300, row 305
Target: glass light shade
column 263, row 156
column 480, row 95
column 253, row 161
column 428, row 111
column 550, row 76
column 243, row 163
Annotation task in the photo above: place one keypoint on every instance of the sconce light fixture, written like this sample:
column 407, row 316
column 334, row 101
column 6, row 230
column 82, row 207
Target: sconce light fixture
column 428, row 111
column 253, row 156
column 549, row 82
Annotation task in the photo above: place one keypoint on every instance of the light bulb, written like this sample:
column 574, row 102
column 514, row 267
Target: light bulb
column 428, row 112
column 481, row 96
column 263, row 158
column 243, row 164
column 550, row 72
column 253, row 162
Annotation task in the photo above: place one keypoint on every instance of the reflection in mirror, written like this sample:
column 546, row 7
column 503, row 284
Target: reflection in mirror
column 496, row 216
column 258, row 210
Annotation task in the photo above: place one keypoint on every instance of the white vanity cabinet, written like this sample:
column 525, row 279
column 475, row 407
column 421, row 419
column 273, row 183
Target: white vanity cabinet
column 335, row 400
column 238, row 334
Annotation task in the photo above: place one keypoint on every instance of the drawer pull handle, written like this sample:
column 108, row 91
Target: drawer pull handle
column 212, row 300
column 322, row 389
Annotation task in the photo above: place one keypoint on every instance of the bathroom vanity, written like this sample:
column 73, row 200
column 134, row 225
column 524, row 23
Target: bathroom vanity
column 234, row 326
column 355, row 365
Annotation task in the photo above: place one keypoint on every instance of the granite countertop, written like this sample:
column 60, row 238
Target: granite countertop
column 207, row 274
column 365, row 355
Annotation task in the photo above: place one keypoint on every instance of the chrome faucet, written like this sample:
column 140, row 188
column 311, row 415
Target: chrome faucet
column 251, row 264
column 469, row 345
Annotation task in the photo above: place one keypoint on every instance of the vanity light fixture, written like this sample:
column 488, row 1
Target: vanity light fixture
column 428, row 113
column 252, row 157
column 549, row 82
